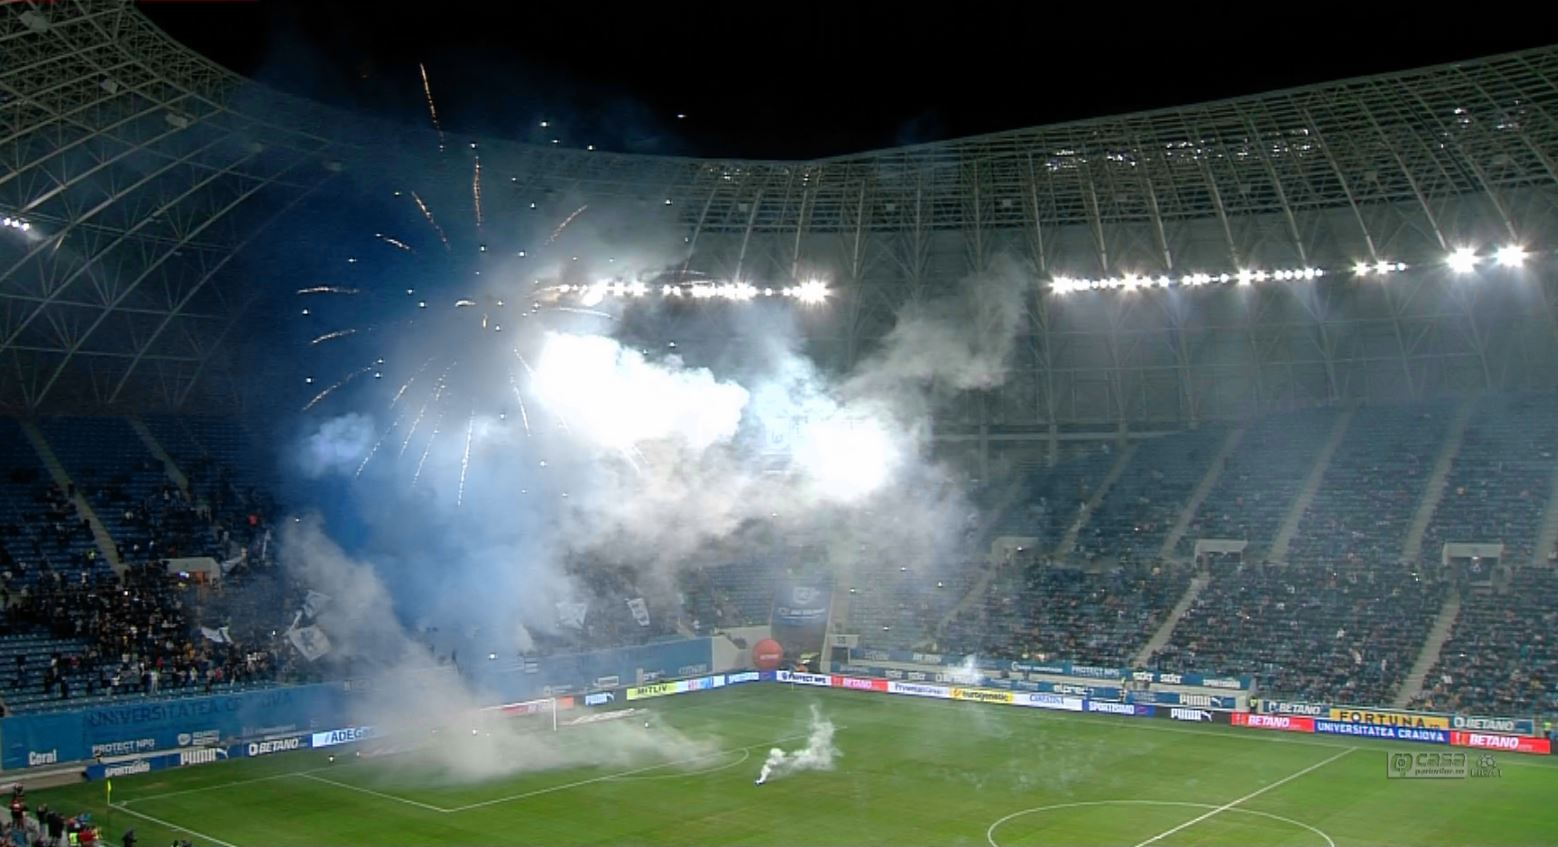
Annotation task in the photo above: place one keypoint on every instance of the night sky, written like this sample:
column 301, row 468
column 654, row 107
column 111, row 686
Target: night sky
column 797, row 80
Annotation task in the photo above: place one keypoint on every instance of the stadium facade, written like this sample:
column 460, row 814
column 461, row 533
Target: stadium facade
column 1206, row 262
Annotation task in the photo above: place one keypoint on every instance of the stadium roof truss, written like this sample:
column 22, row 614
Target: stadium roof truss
column 143, row 169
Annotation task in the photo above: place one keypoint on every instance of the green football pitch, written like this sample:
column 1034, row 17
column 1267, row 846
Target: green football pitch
column 909, row 772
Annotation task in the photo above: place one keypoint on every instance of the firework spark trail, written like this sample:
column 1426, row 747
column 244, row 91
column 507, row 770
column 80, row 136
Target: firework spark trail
column 566, row 221
column 465, row 460
column 561, row 421
column 331, row 336
column 594, row 312
column 428, row 213
column 437, row 393
column 426, row 450
column 476, row 189
column 524, row 415
column 375, row 448
column 328, row 391
column 396, row 398
column 394, row 242
column 327, row 289
column 432, row 110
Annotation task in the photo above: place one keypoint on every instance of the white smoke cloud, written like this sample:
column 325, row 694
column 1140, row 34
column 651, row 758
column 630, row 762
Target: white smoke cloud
column 337, row 445
column 818, row 754
column 615, row 397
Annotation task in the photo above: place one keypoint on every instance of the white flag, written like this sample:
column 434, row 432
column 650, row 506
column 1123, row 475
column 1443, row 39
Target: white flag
column 220, row 636
column 310, row 641
column 314, row 603
column 640, row 610
column 572, row 614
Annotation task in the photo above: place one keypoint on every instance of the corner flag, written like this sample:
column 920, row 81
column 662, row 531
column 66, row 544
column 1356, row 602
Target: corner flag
column 110, row 786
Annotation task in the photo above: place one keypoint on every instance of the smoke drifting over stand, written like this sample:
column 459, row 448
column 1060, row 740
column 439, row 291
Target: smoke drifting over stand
column 509, row 417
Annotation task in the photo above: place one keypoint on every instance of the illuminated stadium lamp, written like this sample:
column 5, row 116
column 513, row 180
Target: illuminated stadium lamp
column 812, row 292
column 1245, row 276
column 1360, row 268
column 1510, row 256
column 1384, row 268
column 1462, row 260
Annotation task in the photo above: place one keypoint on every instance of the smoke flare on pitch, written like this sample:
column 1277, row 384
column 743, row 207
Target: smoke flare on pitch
column 817, row 755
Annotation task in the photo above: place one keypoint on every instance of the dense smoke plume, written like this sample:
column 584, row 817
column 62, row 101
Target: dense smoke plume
column 817, row 755
column 506, row 443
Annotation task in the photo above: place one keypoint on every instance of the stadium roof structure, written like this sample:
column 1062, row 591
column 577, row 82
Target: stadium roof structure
column 1333, row 243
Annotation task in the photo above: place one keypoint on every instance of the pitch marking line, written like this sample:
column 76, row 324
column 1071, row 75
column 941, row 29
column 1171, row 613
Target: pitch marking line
column 312, row 775
column 160, row 822
column 1250, row 796
column 216, row 787
column 745, row 755
column 990, row 833
column 418, row 803
column 582, row 782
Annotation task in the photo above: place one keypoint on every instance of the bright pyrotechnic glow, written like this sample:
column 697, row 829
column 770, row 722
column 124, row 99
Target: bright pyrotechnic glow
column 1510, row 256
column 847, row 457
column 614, row 397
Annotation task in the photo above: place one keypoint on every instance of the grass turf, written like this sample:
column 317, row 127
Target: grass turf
column 910, row 772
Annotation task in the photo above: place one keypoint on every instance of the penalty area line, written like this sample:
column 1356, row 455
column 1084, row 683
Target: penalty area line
column 380, row 794
column 160, row 822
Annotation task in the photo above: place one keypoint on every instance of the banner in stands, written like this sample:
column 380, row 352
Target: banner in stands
column 1180, row 713
column 1018, row 666
column 1284, row 723
column 1382, row 717
column 1509, row 743
column 915, row 689
column 860, row 684
column 1127, row 709
column 545, row 676
column 1175, row 698
column 800, row 620
column 794, row 678
column 140, row 726
column 983, row 695
column 1049, row 701
column 1285, row 707
column 1377, row 730
column 157, row 762
column 1508, row 726
column 1093, row 692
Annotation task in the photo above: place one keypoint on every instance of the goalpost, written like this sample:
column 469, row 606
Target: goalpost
column 539, row 715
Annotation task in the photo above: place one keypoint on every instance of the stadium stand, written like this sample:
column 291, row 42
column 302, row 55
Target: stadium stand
column 1138, row 512
column 1045, row 611
column 1501, row 478
column 1372, row 487
column 1322, row 633
column 1502, row 656
column 40, row 530
column 1051, row 497
column 1262, row 477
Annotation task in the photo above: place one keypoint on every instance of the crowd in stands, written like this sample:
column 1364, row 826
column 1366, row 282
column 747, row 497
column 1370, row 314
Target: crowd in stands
column 1137, row 514
column 1260, row 479
column 1370, row 493
column 1051, row 498
column 1043, row 611
column 123, row 636
column 1321, row 633
column 1501, row 479
column 1341, row 621
column 1502, row 654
